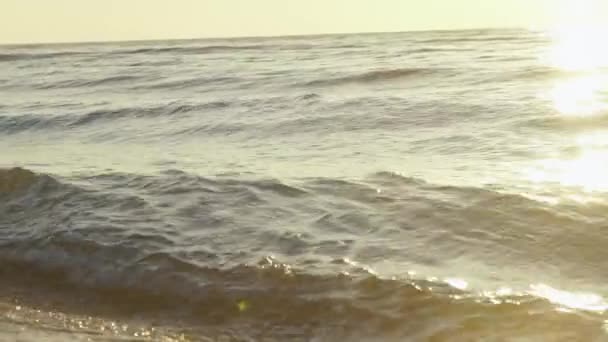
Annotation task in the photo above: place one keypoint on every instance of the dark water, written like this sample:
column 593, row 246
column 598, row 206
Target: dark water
column 433, row 186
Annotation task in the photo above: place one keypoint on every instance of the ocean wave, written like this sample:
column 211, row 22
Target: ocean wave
column 188, row 125
column 566, row 122
column 87, row 83
column 426, row 50
column 160, row 289
column 307, row 97
column 480, row 39
column 194, row 50
column 39, row 121
column 296, row 305
column 17, row 179
column 15, row 124
column 376, row 76
column 207, row 49
column 222, row 249
column 149, row 112
column 10, row 57
column 178, row 50
column 191, row 83
column 540, row 72
column 238, row 203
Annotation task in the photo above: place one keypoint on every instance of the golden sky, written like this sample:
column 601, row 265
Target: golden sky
column 24, row 21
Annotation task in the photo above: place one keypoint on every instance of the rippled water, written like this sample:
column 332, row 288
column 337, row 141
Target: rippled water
column 430, row 186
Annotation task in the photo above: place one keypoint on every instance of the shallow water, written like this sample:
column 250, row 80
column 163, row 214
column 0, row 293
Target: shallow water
column 443, row 186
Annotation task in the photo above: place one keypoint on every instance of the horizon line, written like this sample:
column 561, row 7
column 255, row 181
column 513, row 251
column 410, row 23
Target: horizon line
column 295, row 35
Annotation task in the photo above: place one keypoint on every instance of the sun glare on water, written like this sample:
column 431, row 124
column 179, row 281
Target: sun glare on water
column 579, row 48
column 582, row 51
column 570, row 300
column 579, row 97
column 587, row 172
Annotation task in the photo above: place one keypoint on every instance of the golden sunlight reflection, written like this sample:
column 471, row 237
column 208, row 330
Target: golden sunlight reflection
column 570, row 300
column 587, row 172
column 457, row 283
column 581, row 96
column 579, row 48
column 501, row 295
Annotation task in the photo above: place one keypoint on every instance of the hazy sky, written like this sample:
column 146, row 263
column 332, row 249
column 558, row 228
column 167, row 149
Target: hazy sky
column 100, row 20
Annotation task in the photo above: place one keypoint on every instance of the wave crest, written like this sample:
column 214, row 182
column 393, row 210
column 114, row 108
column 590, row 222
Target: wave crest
column 16, row 179
column 9, row 57
column 373, row 76
column 567, row 122
column 221, row 249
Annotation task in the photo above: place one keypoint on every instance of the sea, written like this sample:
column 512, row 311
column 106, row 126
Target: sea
column 417, row 186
